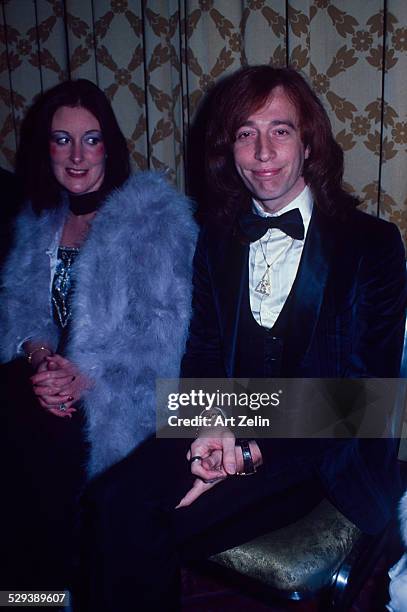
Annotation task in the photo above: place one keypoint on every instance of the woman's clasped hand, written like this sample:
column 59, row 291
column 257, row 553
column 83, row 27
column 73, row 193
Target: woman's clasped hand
column 58, row 385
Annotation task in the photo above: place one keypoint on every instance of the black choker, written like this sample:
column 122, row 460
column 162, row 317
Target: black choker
column 86, row 202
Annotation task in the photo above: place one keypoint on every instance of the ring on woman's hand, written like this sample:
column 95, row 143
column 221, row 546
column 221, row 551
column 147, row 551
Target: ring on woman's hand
column 196, row 458
column 62, row 407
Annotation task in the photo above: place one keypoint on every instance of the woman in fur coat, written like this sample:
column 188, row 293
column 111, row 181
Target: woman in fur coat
column 95, row 291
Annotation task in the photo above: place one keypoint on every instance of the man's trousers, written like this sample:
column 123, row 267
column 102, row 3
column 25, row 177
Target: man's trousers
column 133, row 540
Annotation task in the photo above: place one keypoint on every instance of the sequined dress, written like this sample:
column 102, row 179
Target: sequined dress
column 62, row 285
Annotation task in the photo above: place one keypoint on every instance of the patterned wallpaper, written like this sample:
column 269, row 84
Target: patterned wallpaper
column 156, row 58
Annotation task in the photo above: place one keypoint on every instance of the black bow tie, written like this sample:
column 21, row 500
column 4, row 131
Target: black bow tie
column 254, row 226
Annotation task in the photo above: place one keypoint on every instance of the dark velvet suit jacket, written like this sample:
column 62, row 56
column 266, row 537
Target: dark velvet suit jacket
column 346, row 320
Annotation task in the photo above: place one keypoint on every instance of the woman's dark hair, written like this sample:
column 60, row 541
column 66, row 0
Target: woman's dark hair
column 33, row 159
column 238, row 96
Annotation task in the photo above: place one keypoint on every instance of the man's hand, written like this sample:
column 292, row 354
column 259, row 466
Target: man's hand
column 219, row 458
column 215, row 439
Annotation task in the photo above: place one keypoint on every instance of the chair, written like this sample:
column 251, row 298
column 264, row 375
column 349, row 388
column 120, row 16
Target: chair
column 323, row 555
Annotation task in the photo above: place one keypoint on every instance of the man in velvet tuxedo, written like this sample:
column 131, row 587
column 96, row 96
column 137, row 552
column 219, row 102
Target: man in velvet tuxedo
column 290, row 280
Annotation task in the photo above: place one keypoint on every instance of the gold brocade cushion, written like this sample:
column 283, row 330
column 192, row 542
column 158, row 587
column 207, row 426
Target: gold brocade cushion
column 301, row 558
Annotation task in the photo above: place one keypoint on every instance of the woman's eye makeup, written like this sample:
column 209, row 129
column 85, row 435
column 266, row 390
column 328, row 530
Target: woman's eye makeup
column 93, row 139
column 60, row 138
column 90, row 138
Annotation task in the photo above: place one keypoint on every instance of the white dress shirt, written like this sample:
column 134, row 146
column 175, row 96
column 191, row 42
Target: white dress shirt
column 283, row 253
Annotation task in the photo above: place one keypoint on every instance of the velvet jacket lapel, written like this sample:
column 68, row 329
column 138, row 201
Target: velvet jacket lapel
column 229, row 277
column 229, row 266
column 308, row 289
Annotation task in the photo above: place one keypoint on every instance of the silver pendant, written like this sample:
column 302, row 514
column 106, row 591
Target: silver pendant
column 264, row 285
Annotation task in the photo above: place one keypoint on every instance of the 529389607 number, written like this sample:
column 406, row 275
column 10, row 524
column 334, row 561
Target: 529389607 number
column 34, row 598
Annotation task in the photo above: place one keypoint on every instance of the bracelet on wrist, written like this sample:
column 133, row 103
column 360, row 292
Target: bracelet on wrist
column 248, row 465
column 32, row 353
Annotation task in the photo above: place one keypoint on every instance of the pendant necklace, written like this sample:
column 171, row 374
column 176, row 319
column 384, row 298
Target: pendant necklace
column 264, row 286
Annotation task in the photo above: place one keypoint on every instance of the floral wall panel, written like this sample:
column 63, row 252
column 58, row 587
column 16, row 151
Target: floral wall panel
column 299, row 16
column 81, row 18
column 156, row 59
column 393, row 182
column 7, row 110
column 213, row 45
column 48, row 33
column 121, row 70
column 263, row 29
column 33, row 49
column 19, row 77
column 163, row 87
column 342, row 36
